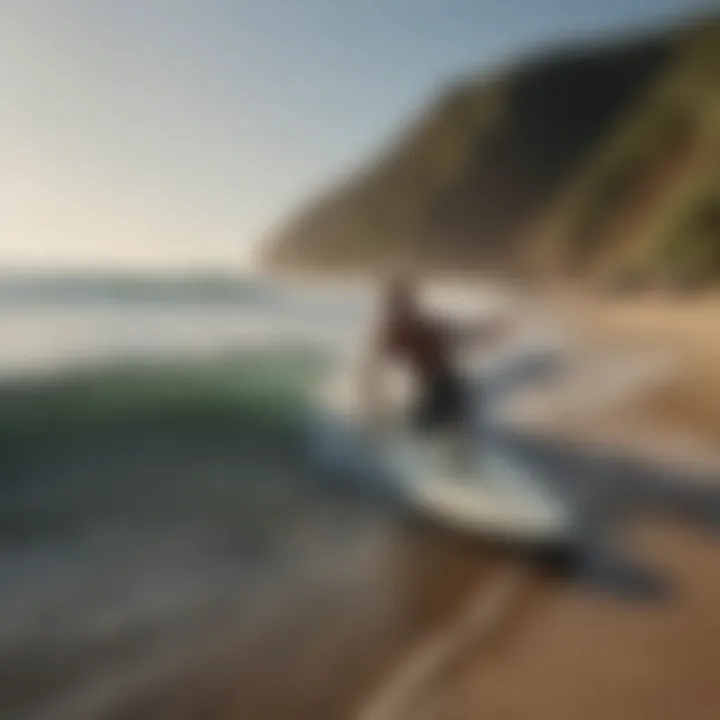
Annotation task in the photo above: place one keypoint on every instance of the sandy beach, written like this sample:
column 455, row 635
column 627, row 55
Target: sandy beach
column 578, row 654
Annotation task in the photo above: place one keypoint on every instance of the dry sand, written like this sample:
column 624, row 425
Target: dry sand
column 689, row 329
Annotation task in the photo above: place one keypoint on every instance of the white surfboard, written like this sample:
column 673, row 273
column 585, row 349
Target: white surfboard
column 493, row 495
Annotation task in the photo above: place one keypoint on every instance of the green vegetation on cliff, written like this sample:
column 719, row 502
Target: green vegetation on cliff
column 598, row 161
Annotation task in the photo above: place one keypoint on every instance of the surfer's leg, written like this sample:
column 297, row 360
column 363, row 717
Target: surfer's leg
column 444, row 408
column 459, row 419
column 421, row 415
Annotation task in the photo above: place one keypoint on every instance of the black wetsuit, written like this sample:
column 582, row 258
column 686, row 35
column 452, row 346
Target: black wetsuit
column 427, row 348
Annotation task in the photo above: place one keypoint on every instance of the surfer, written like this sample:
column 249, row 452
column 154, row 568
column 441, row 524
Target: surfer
column 428, row 346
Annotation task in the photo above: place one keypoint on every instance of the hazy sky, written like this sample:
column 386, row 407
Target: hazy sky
column 173, row 132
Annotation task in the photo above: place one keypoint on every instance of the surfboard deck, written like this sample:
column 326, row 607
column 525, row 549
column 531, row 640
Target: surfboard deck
column 491, row 495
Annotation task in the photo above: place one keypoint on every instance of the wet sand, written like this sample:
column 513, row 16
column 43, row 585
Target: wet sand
column 325, row 654
column 579, row 655
column 329, row 645
column 568, row 651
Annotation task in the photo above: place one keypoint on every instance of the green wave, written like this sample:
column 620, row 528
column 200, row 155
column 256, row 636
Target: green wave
column 252, row 395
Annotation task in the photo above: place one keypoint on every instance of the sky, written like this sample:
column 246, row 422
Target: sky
column 170, row 134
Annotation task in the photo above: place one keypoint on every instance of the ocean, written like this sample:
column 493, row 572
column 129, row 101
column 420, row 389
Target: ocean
column 157, row 507
column 167, row 549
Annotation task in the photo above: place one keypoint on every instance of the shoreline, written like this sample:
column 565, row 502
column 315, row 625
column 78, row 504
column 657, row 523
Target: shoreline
column 389, row 581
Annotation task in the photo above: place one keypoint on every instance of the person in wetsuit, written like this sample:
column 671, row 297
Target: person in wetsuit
column 428, row 347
